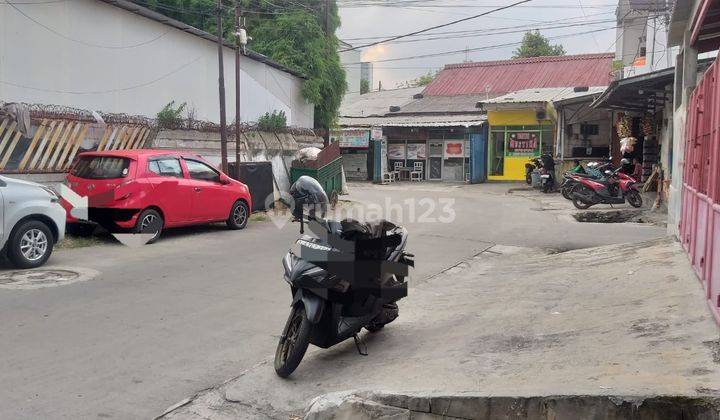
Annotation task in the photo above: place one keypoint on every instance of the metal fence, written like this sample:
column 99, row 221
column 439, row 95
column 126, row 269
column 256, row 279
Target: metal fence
column 700, row 219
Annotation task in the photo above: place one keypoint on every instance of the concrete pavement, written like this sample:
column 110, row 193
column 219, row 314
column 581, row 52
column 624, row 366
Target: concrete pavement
column 164, row 321
column 625, row 321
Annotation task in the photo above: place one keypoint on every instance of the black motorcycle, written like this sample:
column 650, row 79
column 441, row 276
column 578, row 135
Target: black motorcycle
column 346, row 277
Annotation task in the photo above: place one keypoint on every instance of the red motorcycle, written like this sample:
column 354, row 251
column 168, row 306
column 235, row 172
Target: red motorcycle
column 616, row 188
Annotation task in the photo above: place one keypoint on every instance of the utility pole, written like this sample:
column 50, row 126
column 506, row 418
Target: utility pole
column 221, row 87
column 237, row 88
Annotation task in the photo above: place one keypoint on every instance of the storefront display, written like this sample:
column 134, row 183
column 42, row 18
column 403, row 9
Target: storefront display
column 396, row 151
column 416, row 151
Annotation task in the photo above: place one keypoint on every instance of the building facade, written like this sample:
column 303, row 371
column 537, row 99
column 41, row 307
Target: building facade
column 119, row 57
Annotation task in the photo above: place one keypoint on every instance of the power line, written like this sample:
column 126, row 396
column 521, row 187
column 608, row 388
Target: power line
column 485, row 30
column 486, row 33
column 437, row 26
column 491, row 47
column 79, row 41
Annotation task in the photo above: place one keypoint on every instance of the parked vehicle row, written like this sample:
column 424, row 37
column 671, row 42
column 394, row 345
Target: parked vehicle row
column 138, row 191
column 600, row 184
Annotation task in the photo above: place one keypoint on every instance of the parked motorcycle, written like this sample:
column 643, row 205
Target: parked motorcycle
column 531, row 166
column 570, row 179
column 616, row 188
column 348, row 276
column 547, row 173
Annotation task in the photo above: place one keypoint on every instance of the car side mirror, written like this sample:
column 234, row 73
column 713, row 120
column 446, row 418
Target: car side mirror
column 224, row 180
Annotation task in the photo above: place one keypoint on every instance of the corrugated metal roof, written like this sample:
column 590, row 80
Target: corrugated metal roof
column 443, row 104
column 376, row 103
column 500, row 77
column 542, row 95
column 416, row 121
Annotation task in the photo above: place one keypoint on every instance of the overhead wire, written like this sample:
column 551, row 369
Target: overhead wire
column 80, row 41
column 438, row 26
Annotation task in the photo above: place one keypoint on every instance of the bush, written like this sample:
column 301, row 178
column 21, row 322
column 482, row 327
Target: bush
column 274, row 121
column 171, row 116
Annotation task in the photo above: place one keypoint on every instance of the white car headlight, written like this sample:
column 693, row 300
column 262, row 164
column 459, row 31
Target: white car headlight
column 53, row 197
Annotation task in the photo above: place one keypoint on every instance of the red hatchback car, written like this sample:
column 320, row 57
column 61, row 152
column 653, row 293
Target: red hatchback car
column 146, row 191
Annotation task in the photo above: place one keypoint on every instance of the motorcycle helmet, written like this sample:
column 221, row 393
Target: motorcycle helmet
column 309, row 197
column 625, row 161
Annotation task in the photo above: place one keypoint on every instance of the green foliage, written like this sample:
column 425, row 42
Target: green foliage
column 171, row 116
column 535, row 44
column 291, row 32
column 617, row 65
column 274, row 121
column 420, row 81
column 297, row 40
column 364, row 86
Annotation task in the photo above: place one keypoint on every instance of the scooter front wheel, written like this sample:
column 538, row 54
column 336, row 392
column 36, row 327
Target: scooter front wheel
column 634, row 198
column 294, row 342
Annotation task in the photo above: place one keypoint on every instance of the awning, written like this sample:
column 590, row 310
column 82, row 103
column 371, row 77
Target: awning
column 416, row 121
column 638, row 93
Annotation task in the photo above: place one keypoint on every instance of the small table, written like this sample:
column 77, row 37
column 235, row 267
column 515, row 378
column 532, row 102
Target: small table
column 404, row 173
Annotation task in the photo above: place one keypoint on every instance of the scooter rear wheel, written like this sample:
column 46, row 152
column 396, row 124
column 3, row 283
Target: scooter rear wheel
column 577, row 201
column 294, row 342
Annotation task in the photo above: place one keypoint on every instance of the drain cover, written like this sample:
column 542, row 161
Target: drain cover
column 36, row 279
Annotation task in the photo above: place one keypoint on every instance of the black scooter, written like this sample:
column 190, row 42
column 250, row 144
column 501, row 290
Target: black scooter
column 348, row 276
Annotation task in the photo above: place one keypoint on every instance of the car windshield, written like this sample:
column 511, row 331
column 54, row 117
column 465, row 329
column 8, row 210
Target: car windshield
column 101, row 167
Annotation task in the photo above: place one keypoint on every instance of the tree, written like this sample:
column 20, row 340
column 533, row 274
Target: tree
column 423, row 80
column 364, row 86
column 295, row 33
column 297, row 40
column 535, row 44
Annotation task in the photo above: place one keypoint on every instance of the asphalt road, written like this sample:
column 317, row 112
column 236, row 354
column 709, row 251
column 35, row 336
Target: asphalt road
column 164, row 321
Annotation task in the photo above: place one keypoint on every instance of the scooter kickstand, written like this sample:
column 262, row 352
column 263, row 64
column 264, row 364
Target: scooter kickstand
column 358, row 344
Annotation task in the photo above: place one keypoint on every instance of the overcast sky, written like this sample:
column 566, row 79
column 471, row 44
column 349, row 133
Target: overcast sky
column 578, row 17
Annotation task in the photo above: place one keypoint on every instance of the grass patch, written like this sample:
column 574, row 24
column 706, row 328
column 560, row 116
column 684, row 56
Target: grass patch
column 259, row 217
column 73, row 242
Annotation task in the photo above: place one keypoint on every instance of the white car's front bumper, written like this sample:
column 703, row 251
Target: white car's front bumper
column 57, row 213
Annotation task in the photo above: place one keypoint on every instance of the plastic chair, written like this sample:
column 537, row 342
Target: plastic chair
column 417, row 172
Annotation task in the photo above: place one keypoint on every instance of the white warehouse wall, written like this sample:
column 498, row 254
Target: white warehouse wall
column 96, row 56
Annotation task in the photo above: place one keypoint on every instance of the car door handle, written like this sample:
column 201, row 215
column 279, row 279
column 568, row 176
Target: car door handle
column 198, row 189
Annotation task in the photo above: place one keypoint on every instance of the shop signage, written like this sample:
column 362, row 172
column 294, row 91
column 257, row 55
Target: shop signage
column 416, row 151
column 454, row 149
column 522, row 143
column 376, row 133
column 396, row 151
column 355, row 138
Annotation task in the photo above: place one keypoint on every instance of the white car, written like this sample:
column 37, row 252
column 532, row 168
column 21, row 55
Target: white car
column 32, row 221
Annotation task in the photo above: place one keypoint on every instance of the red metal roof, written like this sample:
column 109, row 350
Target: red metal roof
column 500, row 77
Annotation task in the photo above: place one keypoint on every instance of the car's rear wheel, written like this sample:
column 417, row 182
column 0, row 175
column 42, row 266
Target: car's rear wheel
column 150, row 222
column 239, row 215
column 31, row 244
